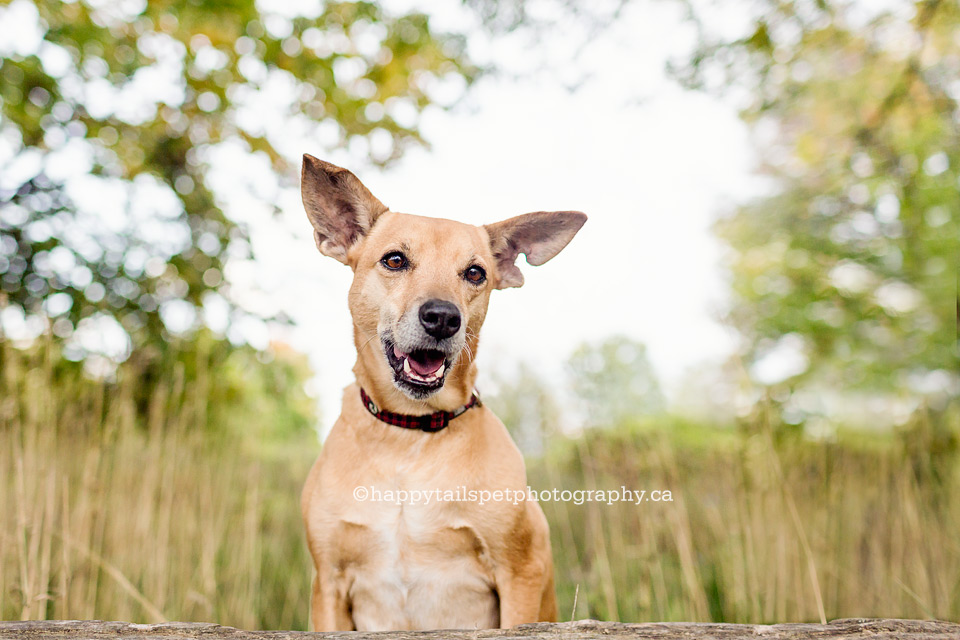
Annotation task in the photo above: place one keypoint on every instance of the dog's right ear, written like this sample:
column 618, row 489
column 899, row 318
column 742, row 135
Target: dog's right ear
column 339, row 207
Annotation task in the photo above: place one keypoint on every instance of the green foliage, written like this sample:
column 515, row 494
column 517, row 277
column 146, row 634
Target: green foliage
column 141, row 95
column 856, row 252
column 614, row 381
column 255, row 398
column 528, row 407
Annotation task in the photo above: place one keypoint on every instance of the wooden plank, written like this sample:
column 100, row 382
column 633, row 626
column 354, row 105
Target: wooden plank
column 847, row 629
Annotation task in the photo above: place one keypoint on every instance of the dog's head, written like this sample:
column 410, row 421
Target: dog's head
column 421, row 285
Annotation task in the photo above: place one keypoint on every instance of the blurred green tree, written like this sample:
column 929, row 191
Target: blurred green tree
column 136, row 97
column 257, row 397
column 845, row 276
column 528, row 407
column 851, row 263
column 614, row 381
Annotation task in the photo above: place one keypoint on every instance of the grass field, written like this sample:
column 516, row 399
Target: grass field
column 112, row 510
column 761, row 529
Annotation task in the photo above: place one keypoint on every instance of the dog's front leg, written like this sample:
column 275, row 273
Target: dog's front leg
column 521, row 591
column 524, row 571
column 329, row 609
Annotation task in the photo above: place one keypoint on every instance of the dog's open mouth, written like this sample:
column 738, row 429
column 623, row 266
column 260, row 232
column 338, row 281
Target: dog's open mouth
column 419, row 371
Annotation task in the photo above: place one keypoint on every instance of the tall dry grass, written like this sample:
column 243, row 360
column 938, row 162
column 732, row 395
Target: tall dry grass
column 112, row 510
column 762, row 527
column 107, row 515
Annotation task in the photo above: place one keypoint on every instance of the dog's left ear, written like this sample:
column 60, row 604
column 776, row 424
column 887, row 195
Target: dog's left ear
column 540, row 236
column 339, row 207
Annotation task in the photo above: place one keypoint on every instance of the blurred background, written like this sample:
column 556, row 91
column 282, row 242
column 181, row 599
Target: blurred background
column 761, row 315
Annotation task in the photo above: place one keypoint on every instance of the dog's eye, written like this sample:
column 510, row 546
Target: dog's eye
column 475, row 274
column 394, row 261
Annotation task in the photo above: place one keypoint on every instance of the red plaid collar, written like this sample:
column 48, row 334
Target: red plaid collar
column 430, row 423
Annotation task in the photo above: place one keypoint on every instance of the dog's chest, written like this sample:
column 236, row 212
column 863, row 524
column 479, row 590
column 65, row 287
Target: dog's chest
column 416, row 566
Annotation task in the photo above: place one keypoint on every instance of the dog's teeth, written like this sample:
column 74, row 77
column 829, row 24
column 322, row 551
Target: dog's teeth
column 436, row 374
column 410, row 373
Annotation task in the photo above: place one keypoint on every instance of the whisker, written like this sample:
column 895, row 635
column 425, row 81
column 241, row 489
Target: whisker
column 364, row 345
column 469, row 335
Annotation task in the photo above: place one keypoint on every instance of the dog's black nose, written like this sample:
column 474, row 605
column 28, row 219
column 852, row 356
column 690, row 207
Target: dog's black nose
column 439, row 318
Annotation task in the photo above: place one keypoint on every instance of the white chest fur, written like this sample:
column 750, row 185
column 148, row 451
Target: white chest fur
column 423, row 567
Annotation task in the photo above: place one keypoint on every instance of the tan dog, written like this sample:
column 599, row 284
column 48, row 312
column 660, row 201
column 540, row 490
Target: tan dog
column 440, row 557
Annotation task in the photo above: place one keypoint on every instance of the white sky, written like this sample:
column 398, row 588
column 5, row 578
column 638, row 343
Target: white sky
column 650, row 164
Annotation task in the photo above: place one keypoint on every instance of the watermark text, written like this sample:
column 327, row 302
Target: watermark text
column 515, row 496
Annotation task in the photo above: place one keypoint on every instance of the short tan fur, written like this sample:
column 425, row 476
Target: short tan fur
column 418, row 299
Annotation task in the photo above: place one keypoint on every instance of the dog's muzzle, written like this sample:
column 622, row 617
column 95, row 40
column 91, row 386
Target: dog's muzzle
column 423, row 347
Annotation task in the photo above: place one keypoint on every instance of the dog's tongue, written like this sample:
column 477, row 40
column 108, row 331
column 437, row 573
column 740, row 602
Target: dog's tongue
column 425, row 363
